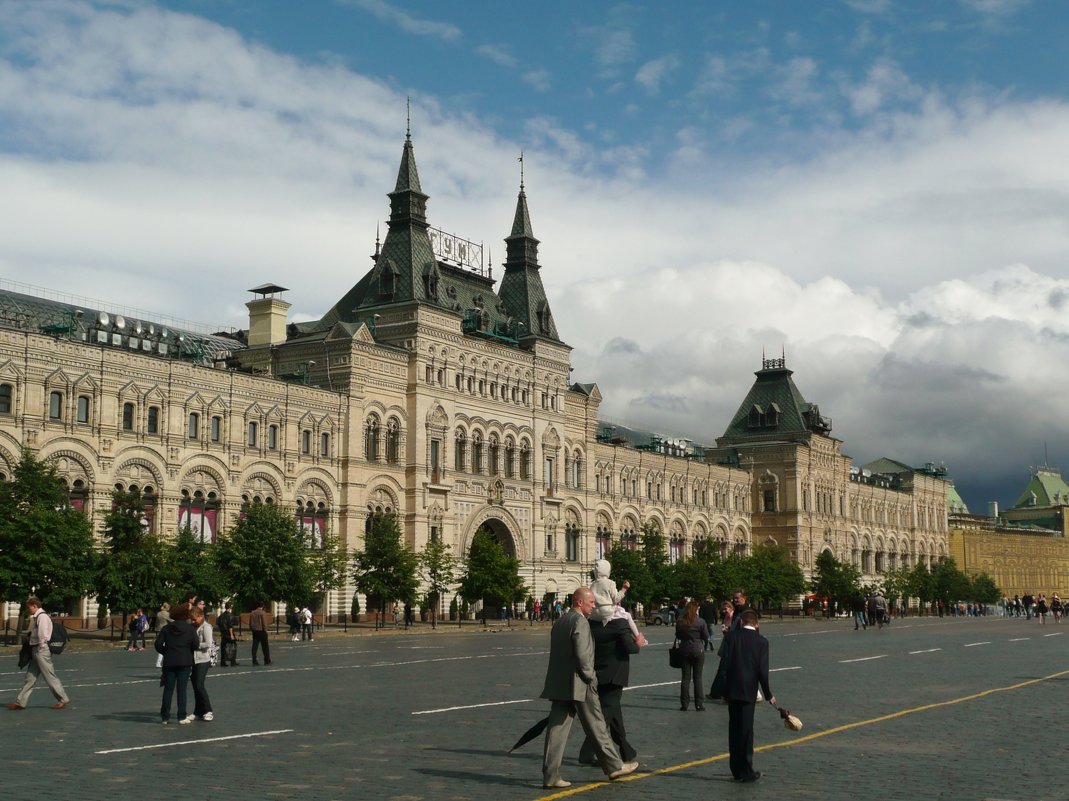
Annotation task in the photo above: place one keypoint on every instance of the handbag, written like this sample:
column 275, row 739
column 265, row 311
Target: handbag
column 675, row 655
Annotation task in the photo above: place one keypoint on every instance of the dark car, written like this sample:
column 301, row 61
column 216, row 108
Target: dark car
column 662, row 617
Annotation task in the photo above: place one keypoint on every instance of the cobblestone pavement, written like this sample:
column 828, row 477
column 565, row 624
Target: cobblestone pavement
column 950, row 709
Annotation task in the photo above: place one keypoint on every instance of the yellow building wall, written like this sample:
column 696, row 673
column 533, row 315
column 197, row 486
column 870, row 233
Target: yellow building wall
column 1019, row 563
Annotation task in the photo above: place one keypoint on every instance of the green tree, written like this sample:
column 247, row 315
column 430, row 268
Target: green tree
column 896, row 584
column 727, row 574
column 773, row 576
column 655, row 555
column 921, row 583
column 438, row 569
column 385, row 570
column 327, row 564
column 984, row 589
column 690, row 578
column 262, row 558
column 628, row 564
column 950, row 584
column 192, row 568
column 46, row 547
column 134, row 566
column 835, row 580
column 491, row 575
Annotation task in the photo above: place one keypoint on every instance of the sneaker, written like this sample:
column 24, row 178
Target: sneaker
column 187, row 719
column 207, row 716
column 165, row 721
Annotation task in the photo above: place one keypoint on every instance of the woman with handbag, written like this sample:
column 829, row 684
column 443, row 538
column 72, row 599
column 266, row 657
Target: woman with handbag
column 693, row 635
column 202, row 660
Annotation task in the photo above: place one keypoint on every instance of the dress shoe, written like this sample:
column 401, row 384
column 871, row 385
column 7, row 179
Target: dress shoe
column 15, row 707
column 699, row 708
column 61, row 704
column 683, row 708
column 751, row 778
column 588, row 762
column 559, row 784
column 628, row 767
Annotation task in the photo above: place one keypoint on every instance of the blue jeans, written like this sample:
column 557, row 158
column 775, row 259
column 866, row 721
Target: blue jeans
column 174, row 676
column 859, row 618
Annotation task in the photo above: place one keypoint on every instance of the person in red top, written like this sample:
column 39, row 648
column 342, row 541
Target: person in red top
column 40, row 660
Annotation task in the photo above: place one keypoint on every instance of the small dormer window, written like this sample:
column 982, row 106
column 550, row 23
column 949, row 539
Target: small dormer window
column 388, row 278
column 756, row 416
column 772, row 417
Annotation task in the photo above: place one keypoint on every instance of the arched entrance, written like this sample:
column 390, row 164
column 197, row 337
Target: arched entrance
column 494, row 531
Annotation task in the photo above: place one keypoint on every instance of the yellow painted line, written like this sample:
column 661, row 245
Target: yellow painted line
column 583, row 788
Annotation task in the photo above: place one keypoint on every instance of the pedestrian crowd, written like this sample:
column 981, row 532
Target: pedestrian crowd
column 591, row 643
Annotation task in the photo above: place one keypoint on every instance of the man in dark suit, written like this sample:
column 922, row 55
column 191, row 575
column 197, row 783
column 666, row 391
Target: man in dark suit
column 570, row 683
column 613, row 645
column 746, row 669
column 707, row 612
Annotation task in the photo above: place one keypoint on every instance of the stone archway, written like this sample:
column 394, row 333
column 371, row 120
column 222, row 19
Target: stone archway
column 495, row 607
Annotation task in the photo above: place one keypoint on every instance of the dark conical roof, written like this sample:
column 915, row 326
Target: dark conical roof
column 774, row 409
column 407, row 174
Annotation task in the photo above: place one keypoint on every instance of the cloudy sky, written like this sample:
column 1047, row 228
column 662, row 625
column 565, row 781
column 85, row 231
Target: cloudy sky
column 879, row 189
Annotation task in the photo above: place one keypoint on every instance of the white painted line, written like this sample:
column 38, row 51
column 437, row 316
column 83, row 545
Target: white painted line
column 1018, row 639
column 971, row 644
column 800, row 633
column 658, row 684
column 475, row 706
column 194, row 742
column 930, row 650
column 794, row 667
column 862, row 659
column 1055, row 634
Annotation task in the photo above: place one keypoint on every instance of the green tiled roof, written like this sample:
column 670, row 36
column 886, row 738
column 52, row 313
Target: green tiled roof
column 955, row 503
column 1047, row 488
column 774, row 408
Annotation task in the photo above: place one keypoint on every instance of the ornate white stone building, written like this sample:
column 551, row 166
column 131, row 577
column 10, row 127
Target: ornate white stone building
column 425, row 391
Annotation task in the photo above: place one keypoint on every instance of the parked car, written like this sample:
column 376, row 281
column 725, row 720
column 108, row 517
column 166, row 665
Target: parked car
column 662, row 617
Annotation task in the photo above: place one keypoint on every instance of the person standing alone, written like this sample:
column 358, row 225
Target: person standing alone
column 258, row 627
column 40, row 660
column 746, row 670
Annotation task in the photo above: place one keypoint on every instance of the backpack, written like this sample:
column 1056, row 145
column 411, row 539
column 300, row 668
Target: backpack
column 59, row 639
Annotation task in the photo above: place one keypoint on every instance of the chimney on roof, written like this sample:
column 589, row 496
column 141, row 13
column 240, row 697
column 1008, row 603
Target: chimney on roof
column 267, row 316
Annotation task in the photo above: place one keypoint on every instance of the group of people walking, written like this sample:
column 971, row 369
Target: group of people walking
column 590, row 649
column 1037, row 606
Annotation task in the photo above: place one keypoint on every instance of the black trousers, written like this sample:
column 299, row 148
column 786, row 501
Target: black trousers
column 740, row 737
column 228, row 652
column 259, row 640
column 610, row 696
column 692, row 676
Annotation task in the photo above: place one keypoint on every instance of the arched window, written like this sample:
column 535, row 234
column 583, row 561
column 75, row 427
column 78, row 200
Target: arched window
column 603, row 541
column 577, row 469
column 371, row 438
column 393, row 441
column 200, row 512
column 493, row 451
column 193, row 429
column 571, row 542
column 254, row 430
column 55, row 406
column 154, row 419
column 272, row 437
column 525, row 461
column 83, row 409
column 510, row 458
column 128, row 410
column 312, row 518
column 6, row 394
column 460, row 451
column 324, row 444
column 476, row 452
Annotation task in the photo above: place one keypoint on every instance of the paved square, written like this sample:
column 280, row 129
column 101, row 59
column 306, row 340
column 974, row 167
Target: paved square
column 900, row 713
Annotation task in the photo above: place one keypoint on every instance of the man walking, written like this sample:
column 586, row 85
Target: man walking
column 258, row 627
column 746, row 670
column 40, row 660
column 306, row 624
column 570, row 686
column 228, row 642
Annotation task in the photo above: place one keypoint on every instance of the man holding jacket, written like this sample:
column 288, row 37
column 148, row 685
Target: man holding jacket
column 40, row 660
